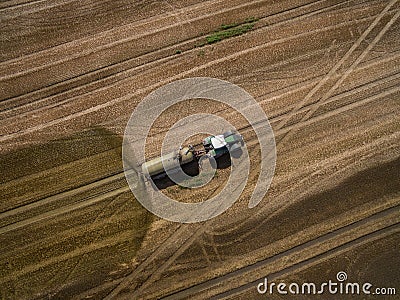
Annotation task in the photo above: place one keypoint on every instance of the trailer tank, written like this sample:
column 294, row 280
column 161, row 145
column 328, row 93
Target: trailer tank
column 155, row 167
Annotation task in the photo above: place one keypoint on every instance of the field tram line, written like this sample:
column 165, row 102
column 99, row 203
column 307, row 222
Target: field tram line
column 244, row 130
column 189, row 243
column 297, row 87
column 59, row 48
column 120, row 175
column 95, row 199
column 70, row 117
column 359, row 241
column 301, row 85
column 171, row 240
column 109, row 45
column 45, row 94
column 95, row 109
column 365, row 87
column 339, row 109
column 205, row 228
column 375, row 236
column 127, row 280
column 21, row 4
column 11, row 109
column 351, row 68
column 116, row 281
column 290, row 91
column 68, row 233
column 186, row 244
column 362, row 231
column 340, row 63
column 122, row 281
column 190, row 237
column 277, row 207
column 12, row 4
column 36, row 6
column 11, row 112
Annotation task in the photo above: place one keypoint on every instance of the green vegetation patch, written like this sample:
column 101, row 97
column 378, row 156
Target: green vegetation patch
column 225, row 31
column 231, row 30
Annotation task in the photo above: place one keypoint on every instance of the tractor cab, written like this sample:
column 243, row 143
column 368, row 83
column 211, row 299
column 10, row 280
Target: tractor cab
column 218, row 145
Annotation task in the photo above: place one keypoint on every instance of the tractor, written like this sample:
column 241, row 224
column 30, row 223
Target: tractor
column 218, row 145
column 213, row 146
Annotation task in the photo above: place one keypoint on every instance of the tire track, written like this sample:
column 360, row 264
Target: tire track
column 304, row 254
column 336, row 67
column 13, row 3
column 275, row 210
column 351, row 68
column 342, row 160
column 20, row 7
column 322, row 117
column 29, row 7
column 278, row 204
column 346, row 57
column 189, row 244
column 91, row 227
column 62, row 210
column 375, row 236
column 67, row 234
column 118, row 71
column 23, row 209
column 126, row 281
column 67, row 208
column 269, row 97
column 164, row 249
column 371, row 237
column 129, row 96
column 113, row 240
column 305, row 84
column 186, row 243
column 176, row 239
column 59, row 103
column 91, row 186
column 181, row 247
column 239, row 6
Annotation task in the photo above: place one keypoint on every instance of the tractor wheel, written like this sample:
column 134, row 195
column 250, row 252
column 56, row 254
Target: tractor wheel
column 228, row 133
column 235, row 151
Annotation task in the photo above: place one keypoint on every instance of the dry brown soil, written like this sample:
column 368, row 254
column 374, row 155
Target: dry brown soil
column 326, row 73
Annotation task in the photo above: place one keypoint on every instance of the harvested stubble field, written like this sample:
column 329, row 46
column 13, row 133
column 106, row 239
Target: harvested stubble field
column 325, row 72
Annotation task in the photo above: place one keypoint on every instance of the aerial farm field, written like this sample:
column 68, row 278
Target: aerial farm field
column 325, row 72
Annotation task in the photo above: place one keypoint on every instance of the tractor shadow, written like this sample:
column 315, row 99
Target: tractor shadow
column 191, row 169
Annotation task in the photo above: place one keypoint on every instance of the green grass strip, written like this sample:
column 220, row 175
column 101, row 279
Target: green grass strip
column 231, row 30
column 227, row 33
